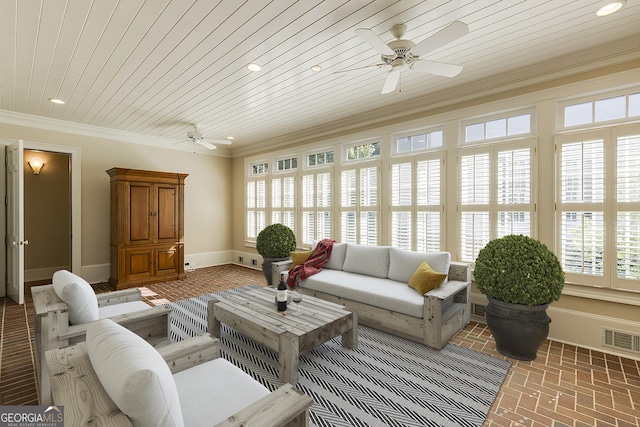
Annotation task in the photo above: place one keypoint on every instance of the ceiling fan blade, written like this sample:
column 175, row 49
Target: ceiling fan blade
column 360, row 68
column 392, row 81
column 205, row 144
column 374, row 41
column 221, row 141
column 437, row 68
column 451, row 32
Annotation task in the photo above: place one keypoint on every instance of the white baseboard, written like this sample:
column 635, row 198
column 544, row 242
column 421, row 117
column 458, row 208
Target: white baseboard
column 36, row 274
column 578, row 328
column 247, row 259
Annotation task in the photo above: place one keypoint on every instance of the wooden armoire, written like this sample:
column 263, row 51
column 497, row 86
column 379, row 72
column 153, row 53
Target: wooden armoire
column 147, row 227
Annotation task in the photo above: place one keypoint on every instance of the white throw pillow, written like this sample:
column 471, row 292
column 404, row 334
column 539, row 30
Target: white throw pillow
column 78, row 295
column 134, row 375
column 367, row 260
column 403, row 263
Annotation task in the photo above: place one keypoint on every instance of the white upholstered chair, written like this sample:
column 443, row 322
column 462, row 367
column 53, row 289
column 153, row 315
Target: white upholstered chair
column 64, row 309
column 116, row 378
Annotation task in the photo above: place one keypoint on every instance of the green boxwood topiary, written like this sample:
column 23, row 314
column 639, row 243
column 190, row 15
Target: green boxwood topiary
column 275, row 241
column 520, row 270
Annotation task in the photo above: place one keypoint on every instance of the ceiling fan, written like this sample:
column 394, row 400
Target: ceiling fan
column 196, row 136
column 403, row 55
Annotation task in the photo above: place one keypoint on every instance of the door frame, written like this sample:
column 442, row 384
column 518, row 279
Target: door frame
column 76, row 205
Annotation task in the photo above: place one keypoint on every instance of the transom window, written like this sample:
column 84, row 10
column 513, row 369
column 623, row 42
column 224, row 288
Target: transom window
column 363, row 151
column 498, row 128
column 606, row 109
column 320, row 159
column 419, row 141
column 259, row 169
column 289, row 164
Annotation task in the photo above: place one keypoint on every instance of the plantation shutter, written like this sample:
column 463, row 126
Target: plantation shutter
column 401, row 190
column 475, row 197
column 628, row 209
column 428, row 205
column 582, row 185
column 514, row 192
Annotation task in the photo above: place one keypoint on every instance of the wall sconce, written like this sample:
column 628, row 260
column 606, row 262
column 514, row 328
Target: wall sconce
column 36, row 165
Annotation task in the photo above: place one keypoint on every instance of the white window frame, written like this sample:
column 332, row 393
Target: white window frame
column 412, row 133
column 593, row 99
column 345, row 147
column 493, row 208
column 309, row 204
column 315, row 153
column 609, row 205
column 414, row 209
column 358, row 208
column 498, row 116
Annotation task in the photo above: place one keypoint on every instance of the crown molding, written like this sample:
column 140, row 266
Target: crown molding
column 63, row 126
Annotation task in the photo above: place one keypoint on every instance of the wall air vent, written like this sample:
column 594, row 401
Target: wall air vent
column 477, row 309
column 621, row 340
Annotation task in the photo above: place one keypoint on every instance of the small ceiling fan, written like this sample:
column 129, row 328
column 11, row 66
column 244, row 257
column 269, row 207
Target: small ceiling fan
column 196, row 136
column 403, row 55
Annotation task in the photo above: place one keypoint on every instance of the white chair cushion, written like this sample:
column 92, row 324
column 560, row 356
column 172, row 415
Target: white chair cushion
column 134, row 375
column 403, row 263
column 78, row 295
column 112, row 310
column 368, row 260
column 215, row 390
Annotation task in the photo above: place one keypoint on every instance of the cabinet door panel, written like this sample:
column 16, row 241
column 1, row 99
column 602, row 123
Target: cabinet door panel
column 167, row 260
column 138, row 263
column 166, row 214
column 139, row 213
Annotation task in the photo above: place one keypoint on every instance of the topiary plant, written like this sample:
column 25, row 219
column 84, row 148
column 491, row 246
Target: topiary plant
column 519, row 270
column 275, row 241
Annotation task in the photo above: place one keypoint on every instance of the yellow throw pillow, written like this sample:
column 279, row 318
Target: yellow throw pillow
column 299, row 257
column 425, row 279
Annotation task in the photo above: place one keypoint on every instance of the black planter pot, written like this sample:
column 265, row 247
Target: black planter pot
column 266, row 268
column 519, row 330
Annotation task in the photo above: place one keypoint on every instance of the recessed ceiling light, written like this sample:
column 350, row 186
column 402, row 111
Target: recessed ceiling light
column 254, row 67
column 56, row 100
column 610, row 7
column 316, row 68
column 229, row 137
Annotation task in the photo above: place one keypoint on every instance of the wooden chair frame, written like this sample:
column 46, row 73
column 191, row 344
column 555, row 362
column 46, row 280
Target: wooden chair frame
column 52, row 329
column 75, row 385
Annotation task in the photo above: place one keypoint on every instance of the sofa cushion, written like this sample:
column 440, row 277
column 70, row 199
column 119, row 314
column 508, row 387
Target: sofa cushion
column 403, row 263
column 425, row 279
column 338, row 252
column 367, row 260
column 382, row 293
column 299, row 257
column 215, row 390
column 134, row 375
column 78, row 295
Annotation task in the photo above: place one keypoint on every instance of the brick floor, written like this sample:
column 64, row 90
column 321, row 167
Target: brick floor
column 564, row 386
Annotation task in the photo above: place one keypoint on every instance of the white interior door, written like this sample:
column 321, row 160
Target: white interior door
column 15, row 222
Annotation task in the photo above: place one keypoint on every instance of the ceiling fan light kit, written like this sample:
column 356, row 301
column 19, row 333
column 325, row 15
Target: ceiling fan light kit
column 404, row 55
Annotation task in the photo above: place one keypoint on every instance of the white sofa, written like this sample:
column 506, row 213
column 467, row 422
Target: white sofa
column 373, row 280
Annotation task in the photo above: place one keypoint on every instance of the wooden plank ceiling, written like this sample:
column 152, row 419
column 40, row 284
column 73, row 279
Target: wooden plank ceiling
column 155, row 67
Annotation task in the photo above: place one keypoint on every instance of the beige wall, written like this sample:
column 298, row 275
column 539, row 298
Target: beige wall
column 47, row 212
column 207, row 188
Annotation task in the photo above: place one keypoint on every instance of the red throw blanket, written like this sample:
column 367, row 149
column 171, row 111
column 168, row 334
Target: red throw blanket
column 318, row 258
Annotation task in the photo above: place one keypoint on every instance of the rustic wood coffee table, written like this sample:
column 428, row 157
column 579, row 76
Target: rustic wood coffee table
column 308, row 325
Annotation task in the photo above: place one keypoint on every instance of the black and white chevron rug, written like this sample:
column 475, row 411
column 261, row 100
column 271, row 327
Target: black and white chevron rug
column 386, row 381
